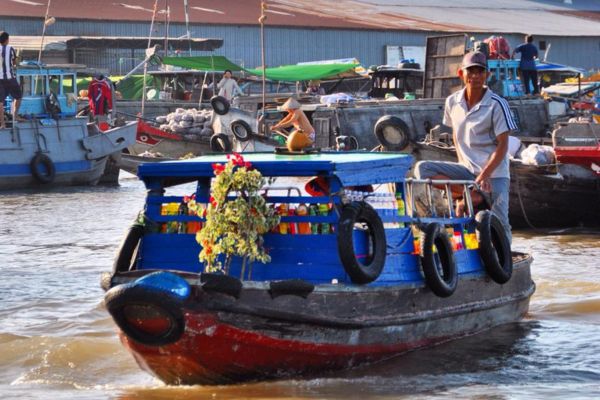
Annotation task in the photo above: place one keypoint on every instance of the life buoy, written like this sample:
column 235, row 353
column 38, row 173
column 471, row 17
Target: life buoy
column 127, row 303
column 392, row 133
column 494, row 247
column 42, row 168
column 220, row 143
column 241, row 130
column 220, row 104
column 129, row 245
column 370, row 269
column 439, row 264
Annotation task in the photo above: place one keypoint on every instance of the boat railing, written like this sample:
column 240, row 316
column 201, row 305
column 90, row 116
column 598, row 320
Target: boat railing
column 441, row 184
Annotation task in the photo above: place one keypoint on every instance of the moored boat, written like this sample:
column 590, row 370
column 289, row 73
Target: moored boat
column 359, row 280
column 52, row 146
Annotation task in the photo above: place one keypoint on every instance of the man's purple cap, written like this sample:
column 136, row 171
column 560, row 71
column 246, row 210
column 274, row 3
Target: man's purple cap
column 474, row 59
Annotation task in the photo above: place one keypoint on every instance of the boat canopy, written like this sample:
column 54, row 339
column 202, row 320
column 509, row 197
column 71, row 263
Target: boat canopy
column 290, row 73
column 306, row 72
column 351, row 168
column 202, row 63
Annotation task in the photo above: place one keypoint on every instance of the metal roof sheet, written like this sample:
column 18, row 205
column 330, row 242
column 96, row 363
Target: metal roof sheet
column 542, row 17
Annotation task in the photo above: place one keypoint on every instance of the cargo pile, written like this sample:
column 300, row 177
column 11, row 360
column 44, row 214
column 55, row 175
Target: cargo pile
column 190, row 122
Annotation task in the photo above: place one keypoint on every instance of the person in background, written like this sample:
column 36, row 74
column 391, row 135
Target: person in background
column 228, row 87
column 481, row 124
column 304, row 135
column 314, row 88
column 8, row 79
column 529, row 53
column 100, row 95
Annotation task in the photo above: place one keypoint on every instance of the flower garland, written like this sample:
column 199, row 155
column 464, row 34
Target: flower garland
column 234, row 227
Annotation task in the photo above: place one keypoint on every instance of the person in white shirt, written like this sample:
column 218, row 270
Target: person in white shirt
column 481, row 123
column 8, row 79
column 228, row 87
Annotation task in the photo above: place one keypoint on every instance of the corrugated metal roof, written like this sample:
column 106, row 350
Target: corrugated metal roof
column 541, row 17
column 61, row 43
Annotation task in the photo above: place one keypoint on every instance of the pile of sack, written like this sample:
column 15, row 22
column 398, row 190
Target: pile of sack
column 190, row 122
column 536, row 154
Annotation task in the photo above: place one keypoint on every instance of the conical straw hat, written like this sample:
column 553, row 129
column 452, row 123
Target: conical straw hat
column 290, row 104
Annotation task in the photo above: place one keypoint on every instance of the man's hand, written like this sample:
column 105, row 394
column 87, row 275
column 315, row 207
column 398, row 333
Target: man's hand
column 484, row 183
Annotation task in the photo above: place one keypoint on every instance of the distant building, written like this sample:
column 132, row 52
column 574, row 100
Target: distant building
column 306, row 30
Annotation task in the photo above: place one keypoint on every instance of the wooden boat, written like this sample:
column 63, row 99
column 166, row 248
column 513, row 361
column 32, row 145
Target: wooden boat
column 233, row 130
column 364, row 286
column 541, row 196
column 54, row 147
column 578, row 143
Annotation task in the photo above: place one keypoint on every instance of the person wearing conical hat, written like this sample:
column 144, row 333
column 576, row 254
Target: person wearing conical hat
column 304, row 133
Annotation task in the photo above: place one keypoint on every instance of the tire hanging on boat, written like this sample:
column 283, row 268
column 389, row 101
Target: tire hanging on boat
column 439, row 265
column 241, row 130
column 220, row 105
column 370, row 269
column 220, row 143
column 494, row 246
column 392, row 133
column 129, row 245
column 133, row 305
column 42, row 168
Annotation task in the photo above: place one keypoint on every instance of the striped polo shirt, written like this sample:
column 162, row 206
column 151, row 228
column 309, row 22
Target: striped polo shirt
column 9, row 55
column 475, row 130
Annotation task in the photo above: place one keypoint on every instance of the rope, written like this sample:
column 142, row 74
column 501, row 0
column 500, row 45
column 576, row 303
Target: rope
column 521, row 202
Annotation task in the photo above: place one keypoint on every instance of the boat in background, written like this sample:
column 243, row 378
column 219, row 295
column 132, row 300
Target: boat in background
column 53, row 146
column 578, row 143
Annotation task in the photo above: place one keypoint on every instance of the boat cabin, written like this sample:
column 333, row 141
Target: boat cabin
column 306, row 246
column 40, row 84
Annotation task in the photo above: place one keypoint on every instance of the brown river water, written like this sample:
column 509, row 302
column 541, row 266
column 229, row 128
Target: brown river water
column 58, row 342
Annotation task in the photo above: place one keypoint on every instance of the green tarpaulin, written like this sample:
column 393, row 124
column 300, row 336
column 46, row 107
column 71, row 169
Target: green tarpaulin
column 202, row 63
column 290, row 73
column 304, row 72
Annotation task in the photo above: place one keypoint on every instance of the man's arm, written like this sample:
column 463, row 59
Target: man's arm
column 495, row 159
column 287, row 121
column 221, row 83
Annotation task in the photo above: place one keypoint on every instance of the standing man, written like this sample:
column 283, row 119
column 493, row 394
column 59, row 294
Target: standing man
column 529, row 53
column 481, row 123
column 228, row 87
column 8, row 79
column 100, row 95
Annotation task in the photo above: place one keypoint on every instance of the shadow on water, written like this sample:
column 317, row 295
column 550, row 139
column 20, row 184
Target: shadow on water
column 479, row 359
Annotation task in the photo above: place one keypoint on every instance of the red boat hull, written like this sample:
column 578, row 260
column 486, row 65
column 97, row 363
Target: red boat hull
column 216, row 353
column 250, row 338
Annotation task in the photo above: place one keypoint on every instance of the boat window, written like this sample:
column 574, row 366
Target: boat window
column 67, row 84
column 25, row 82
column 39, row 85
column 55, row 84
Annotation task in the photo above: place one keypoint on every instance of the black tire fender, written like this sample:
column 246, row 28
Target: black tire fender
column 361, row 212
column 241, row 130
column 392, row 133
column 121, row 296
column 220, row 105
column 439, row 267
column 494, row 247
column 129, row 246
column 220, row 143
column 40, row 159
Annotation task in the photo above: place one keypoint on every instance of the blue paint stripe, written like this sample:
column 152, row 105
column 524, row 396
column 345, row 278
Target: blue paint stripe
column 506, row 111
column 61, row 168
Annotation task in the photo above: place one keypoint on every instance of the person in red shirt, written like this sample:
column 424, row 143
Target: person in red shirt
column 100, row 95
